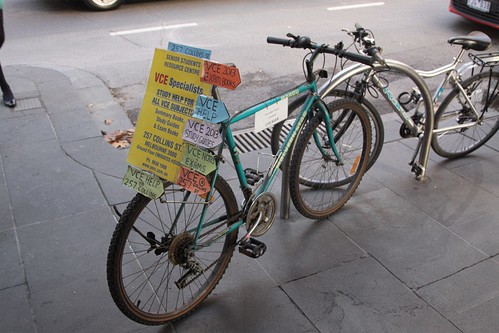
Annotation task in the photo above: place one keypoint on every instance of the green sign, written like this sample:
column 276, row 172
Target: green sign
column 145, row 183
column 197, row 159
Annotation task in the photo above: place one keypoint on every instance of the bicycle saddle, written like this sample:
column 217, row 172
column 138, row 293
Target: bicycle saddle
column 475, row 40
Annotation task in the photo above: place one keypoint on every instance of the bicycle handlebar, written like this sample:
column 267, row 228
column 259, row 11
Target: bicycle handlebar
column 365, row 37
column 305, row 43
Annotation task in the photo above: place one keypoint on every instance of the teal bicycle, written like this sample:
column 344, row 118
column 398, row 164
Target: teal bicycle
column 167, row 255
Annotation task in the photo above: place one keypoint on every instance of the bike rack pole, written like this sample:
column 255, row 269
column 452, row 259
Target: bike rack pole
column 285, row 199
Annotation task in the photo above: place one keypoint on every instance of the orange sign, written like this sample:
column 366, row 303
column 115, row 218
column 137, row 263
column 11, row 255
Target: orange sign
column 193, row 181
column 220, row 75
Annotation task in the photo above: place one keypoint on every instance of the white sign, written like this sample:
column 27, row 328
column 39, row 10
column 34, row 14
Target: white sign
column 271, row 115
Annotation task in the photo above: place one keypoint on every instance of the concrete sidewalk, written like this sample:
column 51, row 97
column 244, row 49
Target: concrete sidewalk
column 401, row 256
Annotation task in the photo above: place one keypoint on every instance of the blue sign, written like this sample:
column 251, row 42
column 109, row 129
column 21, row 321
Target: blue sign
column 189, row 50
column 211, row 110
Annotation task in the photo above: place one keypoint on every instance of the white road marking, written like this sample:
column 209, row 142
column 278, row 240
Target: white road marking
column 361, row 5
column 163, row 27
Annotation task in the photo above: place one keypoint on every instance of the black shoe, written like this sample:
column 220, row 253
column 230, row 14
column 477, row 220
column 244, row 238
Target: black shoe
column 9, row 100
column 10, row 103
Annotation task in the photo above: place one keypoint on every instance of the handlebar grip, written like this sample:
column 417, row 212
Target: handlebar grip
column 375, row 53
column 366, row 60
column 357, row 58
column 377, row 57
column 280, row 41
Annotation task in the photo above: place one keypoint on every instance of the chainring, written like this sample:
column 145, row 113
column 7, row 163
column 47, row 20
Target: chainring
column 261, row 211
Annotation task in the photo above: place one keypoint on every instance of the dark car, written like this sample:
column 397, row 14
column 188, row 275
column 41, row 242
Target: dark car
column 481, row 11
column 103, row 4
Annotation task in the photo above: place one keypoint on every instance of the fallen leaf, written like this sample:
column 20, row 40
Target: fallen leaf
column 119, row 139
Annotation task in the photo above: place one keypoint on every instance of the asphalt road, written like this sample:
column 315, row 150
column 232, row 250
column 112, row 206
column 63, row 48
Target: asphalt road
column 118, row 46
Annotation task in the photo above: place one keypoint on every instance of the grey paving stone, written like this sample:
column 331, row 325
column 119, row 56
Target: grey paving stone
column 481, row 231
column 481, row 318
column 27, row 129
column 244, row 292
column 7, row 221
column 44, row 183
column 367, row 184
column 15, row 113
column 464, row 290
column 80, row 79
column 484, row 172
column 36, row 75
column 493, row 142
column 74, row 125
column 54, row 101
column 114, row 191
column 95, row 96
column 110, row 111
column 483, row 153
column 299, row 247
column 98, row 155
column 362, row 296
column 28, row 104
column 16, row 313
column 444, row 195
column 21, row 84
column 413, row 246
column 11, row 269
column 65, row 262
column 270, row 308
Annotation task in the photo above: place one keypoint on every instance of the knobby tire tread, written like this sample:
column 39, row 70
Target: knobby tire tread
column 297, row 157
column 135, row 207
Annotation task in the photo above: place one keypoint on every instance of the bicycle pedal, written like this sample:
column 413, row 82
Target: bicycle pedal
column 252, row 248
column 252, row 176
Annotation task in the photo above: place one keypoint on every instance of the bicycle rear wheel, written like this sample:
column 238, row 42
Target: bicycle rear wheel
column 319, row 185
column 483, row 91
column 153, row 273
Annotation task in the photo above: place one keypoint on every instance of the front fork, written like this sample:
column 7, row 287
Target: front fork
column 329, row 131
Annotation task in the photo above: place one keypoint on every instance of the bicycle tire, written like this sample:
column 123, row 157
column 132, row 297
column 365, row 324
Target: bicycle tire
column 453, row 111
column 318, row 185
column 143, row 279
column 377, row 127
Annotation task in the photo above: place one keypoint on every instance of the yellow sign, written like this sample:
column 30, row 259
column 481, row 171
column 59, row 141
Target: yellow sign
column 171, row 94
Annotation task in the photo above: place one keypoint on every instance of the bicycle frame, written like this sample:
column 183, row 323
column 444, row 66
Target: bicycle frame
column 271, row 173
column 453, row 76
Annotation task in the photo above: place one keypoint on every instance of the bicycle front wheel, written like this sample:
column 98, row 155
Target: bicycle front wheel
column 319, row 183
column 155, row 275
column 452, row 140
column 279, row 131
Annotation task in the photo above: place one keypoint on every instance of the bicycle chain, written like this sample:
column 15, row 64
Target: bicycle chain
column 220, row 225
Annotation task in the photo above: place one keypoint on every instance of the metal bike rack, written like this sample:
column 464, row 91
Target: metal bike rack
column 285, row 198
column 405, row 69
column 350, row 72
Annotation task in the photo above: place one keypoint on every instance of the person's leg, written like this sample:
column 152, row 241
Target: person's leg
column 8, row 96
